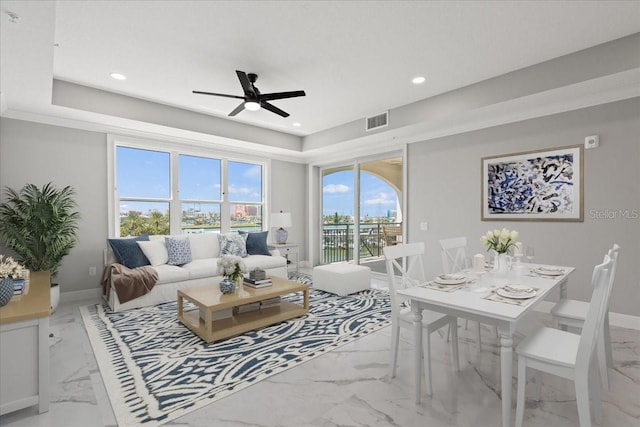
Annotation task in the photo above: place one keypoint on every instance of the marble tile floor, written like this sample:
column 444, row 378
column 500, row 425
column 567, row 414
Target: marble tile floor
column 347, row 387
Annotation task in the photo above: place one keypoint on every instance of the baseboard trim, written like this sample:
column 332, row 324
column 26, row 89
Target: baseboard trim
column 80, row 295
column 624, row 321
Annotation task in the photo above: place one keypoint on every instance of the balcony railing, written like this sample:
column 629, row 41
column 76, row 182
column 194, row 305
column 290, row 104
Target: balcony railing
column 338, row 241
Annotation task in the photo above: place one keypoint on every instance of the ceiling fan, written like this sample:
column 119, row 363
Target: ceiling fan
column 253, row 99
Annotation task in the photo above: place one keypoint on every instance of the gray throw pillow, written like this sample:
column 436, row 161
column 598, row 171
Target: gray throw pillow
column 257, row 243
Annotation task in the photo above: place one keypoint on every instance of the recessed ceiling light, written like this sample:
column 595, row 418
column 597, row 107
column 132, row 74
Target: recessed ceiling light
column 118, row 76
column 296, row 124
column 418, row 80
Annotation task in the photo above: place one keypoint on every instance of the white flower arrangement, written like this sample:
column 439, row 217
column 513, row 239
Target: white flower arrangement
column 232, row 266
column 10, row 268
column 500, row 241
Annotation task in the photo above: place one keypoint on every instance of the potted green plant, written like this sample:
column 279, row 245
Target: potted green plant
column 40, row 226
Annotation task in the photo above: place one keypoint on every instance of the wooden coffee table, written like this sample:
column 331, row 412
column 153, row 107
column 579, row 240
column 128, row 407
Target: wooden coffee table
column 209, row 299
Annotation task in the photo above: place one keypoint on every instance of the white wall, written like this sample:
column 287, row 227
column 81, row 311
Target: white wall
column 444, row 190
column 37, row 153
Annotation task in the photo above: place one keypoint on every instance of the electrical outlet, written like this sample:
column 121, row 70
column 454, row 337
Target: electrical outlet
column 92, row 271
column 424, row 226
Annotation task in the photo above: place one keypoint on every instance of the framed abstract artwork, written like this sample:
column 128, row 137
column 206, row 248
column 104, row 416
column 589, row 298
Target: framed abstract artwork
column 533, row 186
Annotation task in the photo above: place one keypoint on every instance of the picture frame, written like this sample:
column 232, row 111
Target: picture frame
column 541, row 185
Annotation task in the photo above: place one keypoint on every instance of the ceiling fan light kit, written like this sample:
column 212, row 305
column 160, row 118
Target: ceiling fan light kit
column 253, row 100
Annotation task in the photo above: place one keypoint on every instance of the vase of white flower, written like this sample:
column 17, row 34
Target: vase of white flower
column 9, row 270
column 500, row 242
column 232, row 268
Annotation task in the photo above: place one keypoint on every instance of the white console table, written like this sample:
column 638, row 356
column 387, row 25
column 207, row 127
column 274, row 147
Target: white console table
column 24, row 347
column 287, row 250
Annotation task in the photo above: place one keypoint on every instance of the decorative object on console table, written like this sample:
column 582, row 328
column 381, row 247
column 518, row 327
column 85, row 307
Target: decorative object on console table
column 544, row 185
column 9, row 270
column 6, row 290
column 279, row 221
column 40, row 225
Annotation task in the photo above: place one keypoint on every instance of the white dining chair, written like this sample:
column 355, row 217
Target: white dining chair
column 570, row 312
column 569, row 355
column 406, row 260
column 454, row 259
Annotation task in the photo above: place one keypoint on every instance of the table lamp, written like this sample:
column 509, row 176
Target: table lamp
column 281, row 220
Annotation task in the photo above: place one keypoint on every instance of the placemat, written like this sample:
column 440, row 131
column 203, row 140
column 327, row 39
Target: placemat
column 493, row 296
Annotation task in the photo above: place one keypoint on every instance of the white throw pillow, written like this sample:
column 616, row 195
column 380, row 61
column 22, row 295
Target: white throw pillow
column 155, row 251
column 204, row 245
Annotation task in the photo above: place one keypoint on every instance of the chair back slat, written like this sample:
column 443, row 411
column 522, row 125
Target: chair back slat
column 406, row 260
column 601, row 280
column 454, row 255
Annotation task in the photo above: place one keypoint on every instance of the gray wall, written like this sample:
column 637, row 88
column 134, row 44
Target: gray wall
column 37, row 153
column 444, row 190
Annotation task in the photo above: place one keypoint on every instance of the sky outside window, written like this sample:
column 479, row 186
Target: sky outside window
column 377, row 198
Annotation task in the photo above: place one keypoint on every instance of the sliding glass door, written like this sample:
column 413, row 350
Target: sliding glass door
column 360, row 202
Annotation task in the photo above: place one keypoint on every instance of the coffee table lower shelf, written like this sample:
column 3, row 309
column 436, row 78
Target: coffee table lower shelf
column 240, row 322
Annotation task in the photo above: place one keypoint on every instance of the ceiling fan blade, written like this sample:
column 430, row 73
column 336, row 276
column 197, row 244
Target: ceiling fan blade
column 237, row 109
column 246, row 84
column 273, row 109
column 218, row 94
column 281, row 95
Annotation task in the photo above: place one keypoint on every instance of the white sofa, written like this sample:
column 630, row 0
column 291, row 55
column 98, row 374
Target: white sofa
column 202, row 270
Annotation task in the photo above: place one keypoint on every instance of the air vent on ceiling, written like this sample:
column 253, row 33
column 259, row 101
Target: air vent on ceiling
column 378, row 121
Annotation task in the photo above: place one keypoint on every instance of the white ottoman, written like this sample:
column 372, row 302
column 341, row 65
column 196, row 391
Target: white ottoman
column 341, row 279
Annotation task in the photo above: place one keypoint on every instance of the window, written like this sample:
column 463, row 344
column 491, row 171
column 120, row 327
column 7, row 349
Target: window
column 200, row 193
column 169, row 192
column 245, row 196
column 144, row 191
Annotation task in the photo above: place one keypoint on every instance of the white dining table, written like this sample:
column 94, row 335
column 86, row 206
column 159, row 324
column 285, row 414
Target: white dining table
column 467, row 303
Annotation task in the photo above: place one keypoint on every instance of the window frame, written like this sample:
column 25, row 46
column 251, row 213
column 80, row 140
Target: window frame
column 175, row 150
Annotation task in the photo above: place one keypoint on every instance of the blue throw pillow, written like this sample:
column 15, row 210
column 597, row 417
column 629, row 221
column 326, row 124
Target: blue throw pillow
column 257, row 243
column 127, row 251
column 179, row 250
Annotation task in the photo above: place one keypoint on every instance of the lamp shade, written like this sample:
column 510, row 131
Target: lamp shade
column 281, row 220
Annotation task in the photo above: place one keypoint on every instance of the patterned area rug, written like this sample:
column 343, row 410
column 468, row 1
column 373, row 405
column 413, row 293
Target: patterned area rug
column 155, row 370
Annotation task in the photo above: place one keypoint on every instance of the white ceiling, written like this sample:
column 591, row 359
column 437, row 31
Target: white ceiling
column 353, row 59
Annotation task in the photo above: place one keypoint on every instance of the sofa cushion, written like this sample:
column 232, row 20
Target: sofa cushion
column 264, row 261
column 178, row 249
column 233, row 244
column 170, row 273
column 202, row 268
column 204, row 245
column 127, row 251
column 257, row 243
column 155, row 251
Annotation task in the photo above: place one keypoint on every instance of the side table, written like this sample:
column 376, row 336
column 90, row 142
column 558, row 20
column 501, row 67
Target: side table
column 288, row 250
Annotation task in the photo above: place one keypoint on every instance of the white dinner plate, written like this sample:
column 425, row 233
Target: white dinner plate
column 449, row 279
column 546, row 271
column 516, row 292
